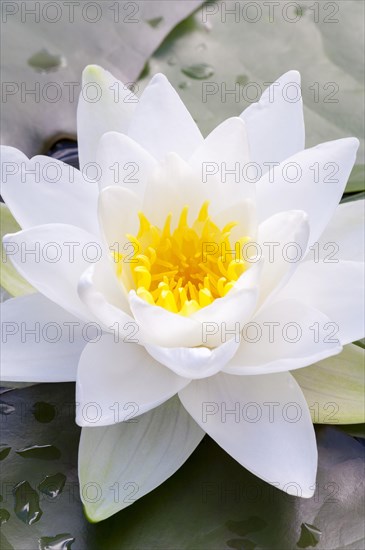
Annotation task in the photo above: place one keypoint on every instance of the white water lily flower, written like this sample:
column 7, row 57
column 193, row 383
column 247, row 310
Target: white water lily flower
column 172, row 290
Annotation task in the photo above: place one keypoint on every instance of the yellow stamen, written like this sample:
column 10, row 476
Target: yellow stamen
column 182, row 269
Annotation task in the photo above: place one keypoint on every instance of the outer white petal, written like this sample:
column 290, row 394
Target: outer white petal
column 161, row 122
column 313, row 181
column 134, row 457
column 281, row 337
column 44, row 190
column 105, row 105
column 124, row 162
column 118, row 380
column 52, row 258
column 196, row 362
column 275, row 124
column 344, row 236
column 282, row 239
column 261, row 421
column 336, row 289
column 40, row 341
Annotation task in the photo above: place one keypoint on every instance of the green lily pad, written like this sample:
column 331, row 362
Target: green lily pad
column 120, row 36
column 335, row 387
column 249, row 46
column 356, row 183
column 211, row 502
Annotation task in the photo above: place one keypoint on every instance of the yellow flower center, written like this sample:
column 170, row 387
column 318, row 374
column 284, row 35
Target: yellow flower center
column 185, row 269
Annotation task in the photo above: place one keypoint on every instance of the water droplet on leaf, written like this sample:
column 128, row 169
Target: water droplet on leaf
column 4, row 450
column 155, row 22
column 6, row 409
column 52, row 485
column 44, row 412
column 250, row 525
column 242, row 79
column 4, row 516
column 309, row 536
column 26, row 503
column 198, row 71
column 45, row 62
column 184, row 85
column 45, row 452
column 59, row 542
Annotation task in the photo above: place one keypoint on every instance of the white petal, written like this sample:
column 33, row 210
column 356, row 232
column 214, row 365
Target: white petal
column 98, row 290
column 197, row 362
column 336, row 289
column 44, row 190
column 275, row 124
column 161, row 122
column 261, row 421
column 313, row 181
column 235, row 308
column 282, row 240
column 123, row 161
column 105, row 105
column 283, row 336
column 40, row 341
column 172, row 186
column 118, row 380
column 164, row 328
column 134, row 458
column 343, row 237
column 52, row 258
column 118, row 214
column 222, row 160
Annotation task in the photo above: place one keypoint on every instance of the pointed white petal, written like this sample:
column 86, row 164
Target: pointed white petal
column 134, row 457
column 172, row 186
column 261, row 421
column 161, row 122
column 118, row 380
column 335, row 387
column 313, row 181
column 336, row 289
column 222, row 161
column 40, row 341
column 344, row 236
column 196, row 362
column 52, row 258
column 282, row 240
column 283, row 336
column 275, row 124
column 118, row 214
column 44, row 190
column 124, row 162
column 105, row 105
